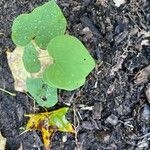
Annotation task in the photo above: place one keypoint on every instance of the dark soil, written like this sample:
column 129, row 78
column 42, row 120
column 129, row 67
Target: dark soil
column 111, row 111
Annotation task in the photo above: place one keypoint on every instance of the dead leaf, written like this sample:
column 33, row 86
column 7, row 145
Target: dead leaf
column 48, row 123
column 2, row 142
column 143, row 75
column 18, row 70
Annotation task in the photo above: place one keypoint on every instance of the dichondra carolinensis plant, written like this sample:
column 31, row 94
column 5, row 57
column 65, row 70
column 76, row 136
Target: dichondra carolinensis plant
column 43, row 30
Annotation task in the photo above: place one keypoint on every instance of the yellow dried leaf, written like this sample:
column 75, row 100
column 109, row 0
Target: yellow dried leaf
column 2, row 142
column 48, row 123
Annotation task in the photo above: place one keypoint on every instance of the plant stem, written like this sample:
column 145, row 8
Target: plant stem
column 3, row 90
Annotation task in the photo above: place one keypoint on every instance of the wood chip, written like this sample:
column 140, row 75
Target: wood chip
column 142, row 76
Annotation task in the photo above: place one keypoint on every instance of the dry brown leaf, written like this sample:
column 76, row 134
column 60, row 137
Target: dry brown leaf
column 2, row 142
column 18, row 70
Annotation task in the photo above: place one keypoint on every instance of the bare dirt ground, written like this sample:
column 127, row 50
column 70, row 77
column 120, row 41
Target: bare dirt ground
column 111, row 111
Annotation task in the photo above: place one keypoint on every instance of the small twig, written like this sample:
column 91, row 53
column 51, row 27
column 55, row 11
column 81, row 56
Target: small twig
column 2, row 34
column 34, row 102
column 133, row 21
column 24, row 132
column 143, row 136
column 76, row 124
column 32, row 99
column 3, row 90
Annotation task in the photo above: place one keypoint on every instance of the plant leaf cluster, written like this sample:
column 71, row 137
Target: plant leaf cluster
column 44, row 29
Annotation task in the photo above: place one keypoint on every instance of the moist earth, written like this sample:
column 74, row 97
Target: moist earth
column 112, row 110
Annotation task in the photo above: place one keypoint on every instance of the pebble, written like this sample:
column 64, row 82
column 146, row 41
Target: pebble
column 118, row 3
column 64, row 138
column 112, row 119
column 88, row 33
column 146, row 113
column 76, row 8
column 145, row 42
column 103, row 136
column 142, row 144
column 86, row 30
column 87, row 22
column 20, row 113
column 87, row 125
column 148, row 94
column 10, row 80
column 86, row 2
column 120, row 27
column 97, row 110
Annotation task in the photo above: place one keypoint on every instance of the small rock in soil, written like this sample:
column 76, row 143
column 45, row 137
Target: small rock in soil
column 145, row 42
column 146, row 113
column 142, row 144
column 103, row 136
column 97, row 110
column 112, row 119
column 86, row 2
column 87, row 34
column 88, row 23
column 148, row 94
column 87, row 125
column 118, row 3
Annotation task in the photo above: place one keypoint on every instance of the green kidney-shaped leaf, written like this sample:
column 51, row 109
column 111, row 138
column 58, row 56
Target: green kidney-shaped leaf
column 42, row 24
column 44, row 95
column 30, row 59
column 72, row 63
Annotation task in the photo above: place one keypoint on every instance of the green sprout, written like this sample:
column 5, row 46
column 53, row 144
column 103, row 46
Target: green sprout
column 44, row 29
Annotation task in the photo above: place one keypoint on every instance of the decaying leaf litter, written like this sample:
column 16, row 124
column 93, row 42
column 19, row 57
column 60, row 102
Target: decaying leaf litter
column 120, row 31
column 48, row 123
column 2, row 142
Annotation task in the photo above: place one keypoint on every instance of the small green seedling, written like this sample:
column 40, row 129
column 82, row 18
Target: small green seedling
column 44, row 29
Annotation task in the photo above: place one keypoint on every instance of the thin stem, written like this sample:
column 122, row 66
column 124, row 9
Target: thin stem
column 3, row 90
